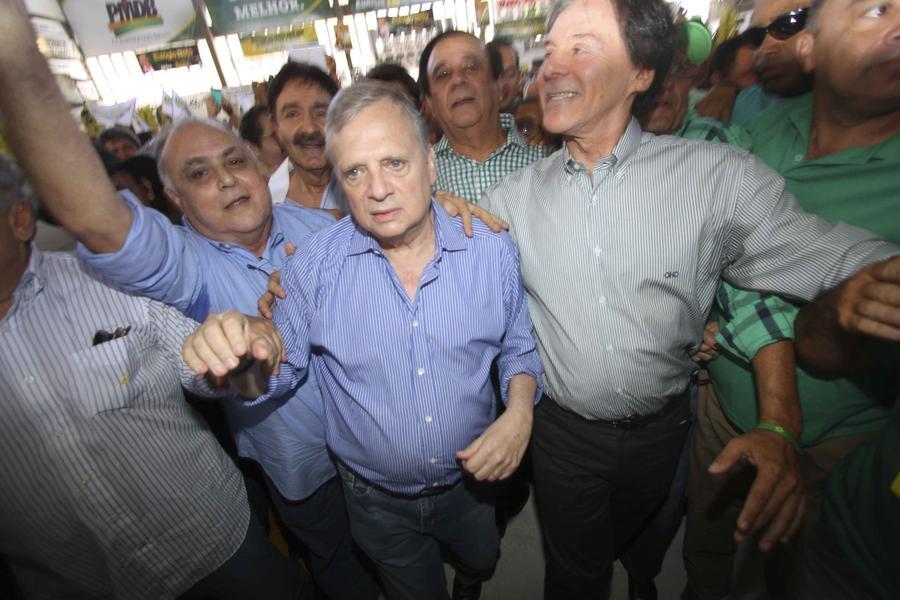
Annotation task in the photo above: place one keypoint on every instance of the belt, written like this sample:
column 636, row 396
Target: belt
column 427, row 492
column 631, row 421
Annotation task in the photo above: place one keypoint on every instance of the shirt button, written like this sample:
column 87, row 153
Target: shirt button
column 428, row 418
column 602, row 299
column 435, row 484
column 598, row 251
column 619, row 390
column 415, row 323
column 420, row 371
column 29, row 379
column 610, row 349
column 433, row 460
column 798, row 158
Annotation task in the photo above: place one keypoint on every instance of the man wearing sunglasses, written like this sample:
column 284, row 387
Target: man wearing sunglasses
column 774, row 25
column 773, row 29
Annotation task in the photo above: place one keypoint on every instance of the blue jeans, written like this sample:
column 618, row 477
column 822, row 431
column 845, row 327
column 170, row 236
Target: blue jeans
column 404, row 536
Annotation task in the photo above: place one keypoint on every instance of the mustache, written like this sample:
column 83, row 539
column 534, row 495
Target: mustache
column 303, row 139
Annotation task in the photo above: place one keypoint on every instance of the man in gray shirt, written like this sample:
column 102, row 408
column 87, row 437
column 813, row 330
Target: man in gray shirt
column 623, row 239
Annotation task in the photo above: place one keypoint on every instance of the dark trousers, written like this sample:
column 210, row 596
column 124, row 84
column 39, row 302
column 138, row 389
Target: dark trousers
column 405, row 536
column 319, row 523
column 597, row 486
column 255, row 570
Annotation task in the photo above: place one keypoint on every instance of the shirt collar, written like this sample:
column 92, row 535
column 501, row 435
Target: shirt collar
column 448, row 237
column 276, row 238
column 507, row 123
column 280, row 181
column 31, row 283
column 800, row 117
column 617, row 160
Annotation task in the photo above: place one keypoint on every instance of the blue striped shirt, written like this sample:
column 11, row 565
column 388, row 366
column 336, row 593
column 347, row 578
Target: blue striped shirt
column 112, row 487
column 196, row 275
column 407, row 383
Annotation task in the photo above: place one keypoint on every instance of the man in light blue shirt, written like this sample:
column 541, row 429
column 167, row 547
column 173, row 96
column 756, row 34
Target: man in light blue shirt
column 401, row 317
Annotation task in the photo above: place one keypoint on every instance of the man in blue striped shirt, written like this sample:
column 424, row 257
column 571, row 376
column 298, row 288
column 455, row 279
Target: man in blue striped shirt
column 401, row 317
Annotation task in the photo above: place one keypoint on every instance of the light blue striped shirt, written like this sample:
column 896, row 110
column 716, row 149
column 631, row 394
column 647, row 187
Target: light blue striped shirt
column 407, row 383
column 196, row 275
column 112, row 487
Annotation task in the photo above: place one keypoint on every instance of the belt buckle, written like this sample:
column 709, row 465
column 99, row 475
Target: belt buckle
column 625, row 423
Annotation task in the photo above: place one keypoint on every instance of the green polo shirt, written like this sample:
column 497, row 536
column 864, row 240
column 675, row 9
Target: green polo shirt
column 860, row 186
column 468, row 178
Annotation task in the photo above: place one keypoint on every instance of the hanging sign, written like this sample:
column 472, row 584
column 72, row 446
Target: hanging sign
column 292, row 37
column 246, row 16
column 169, row 58
column 116, row 26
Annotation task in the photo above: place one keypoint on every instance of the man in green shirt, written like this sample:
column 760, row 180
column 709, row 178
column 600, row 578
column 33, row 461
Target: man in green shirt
column 838, row 149
column 480, row 146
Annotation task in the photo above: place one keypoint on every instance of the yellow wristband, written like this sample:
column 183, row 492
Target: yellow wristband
column 780, row 431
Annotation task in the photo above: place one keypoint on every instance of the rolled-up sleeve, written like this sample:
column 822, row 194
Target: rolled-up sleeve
column 155, row 261
column 750, row 320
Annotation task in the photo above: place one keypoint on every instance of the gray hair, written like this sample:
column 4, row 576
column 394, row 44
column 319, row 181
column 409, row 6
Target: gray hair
column 353, row 100
column 13, row 186
column 161, row 143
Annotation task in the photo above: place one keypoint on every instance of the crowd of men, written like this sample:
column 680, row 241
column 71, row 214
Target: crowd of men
column 602, row 288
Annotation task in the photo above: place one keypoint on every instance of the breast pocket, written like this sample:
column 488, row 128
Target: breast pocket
column 105, row 374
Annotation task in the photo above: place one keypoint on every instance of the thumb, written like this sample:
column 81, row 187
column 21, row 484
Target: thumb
column 469, row 451
column 290, row 248
column 725, row 461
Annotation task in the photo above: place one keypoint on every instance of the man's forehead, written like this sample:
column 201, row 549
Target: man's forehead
column 455, row 47
column 199, row 140
column 299, row 91
column 766, row 10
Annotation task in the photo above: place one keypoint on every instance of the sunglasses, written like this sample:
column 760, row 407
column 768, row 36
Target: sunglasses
column 781, row 28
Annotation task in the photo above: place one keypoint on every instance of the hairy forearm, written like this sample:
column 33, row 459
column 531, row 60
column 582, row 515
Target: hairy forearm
column 776, row 381
column 63, row 167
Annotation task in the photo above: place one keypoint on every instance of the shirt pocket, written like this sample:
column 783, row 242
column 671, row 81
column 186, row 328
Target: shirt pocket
column 105, row 374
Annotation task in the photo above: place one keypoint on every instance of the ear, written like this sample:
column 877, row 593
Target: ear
column 148, row 187
column 22, row 221
column 804, row 48
column 643, row 79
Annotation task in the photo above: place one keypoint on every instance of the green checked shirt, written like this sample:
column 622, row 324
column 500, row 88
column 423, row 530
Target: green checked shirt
column 469, row 179
column 861, row 187
column 696, row 127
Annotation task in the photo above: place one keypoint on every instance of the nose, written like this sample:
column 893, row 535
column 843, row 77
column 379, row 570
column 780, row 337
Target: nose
column 224, row 177
column 553, row 66
column 378, row 188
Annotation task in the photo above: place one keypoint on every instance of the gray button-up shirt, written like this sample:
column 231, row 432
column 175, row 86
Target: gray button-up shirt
column 112, row 487
column 621, row 271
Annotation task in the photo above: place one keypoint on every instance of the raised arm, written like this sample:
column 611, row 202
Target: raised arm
column 65, row 170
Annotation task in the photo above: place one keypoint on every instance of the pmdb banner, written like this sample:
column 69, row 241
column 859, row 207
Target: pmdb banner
column 102, row 27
